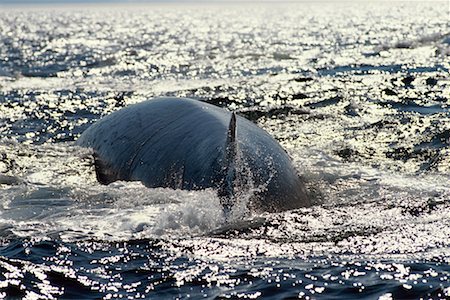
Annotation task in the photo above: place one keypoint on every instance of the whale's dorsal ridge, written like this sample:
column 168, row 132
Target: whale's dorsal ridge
column 231, row 135
column 227, row 186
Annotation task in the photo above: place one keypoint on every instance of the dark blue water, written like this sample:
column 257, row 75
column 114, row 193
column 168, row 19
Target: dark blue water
column 358, row 94
column 138, row 268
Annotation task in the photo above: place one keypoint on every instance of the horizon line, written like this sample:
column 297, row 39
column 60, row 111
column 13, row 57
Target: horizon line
column 39, row 2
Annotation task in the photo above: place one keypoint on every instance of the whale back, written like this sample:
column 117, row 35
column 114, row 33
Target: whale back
column 186, row 144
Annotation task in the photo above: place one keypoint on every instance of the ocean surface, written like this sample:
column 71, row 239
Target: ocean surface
column 357, row 93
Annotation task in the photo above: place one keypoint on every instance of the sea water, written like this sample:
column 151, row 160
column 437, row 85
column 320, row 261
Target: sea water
column 357, row 93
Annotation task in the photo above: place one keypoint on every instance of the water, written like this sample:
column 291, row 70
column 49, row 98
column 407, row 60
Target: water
column 358, row 94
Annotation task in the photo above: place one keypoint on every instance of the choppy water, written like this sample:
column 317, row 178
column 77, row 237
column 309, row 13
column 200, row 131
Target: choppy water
column 359, row 95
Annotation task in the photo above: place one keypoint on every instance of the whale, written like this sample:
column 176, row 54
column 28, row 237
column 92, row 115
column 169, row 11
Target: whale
column 188, row 144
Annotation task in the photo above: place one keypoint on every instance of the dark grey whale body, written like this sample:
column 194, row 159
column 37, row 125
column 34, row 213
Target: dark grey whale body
column 188, row 144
